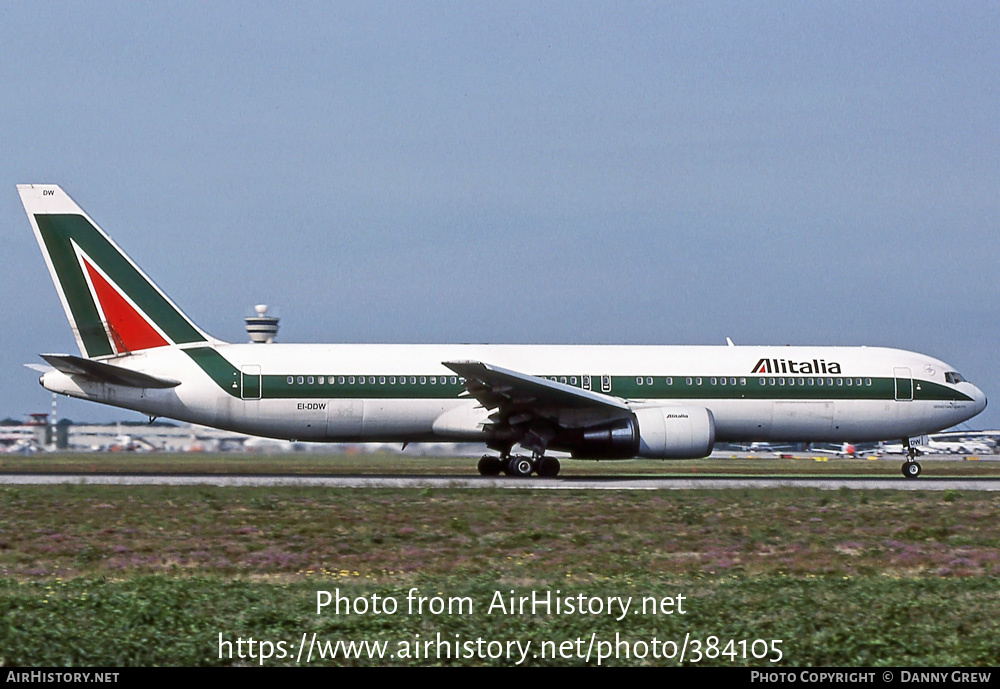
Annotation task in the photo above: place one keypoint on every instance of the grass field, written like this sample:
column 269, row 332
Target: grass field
column 105, row 575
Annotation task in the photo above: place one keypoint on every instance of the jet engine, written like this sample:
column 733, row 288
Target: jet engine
column 653, row 432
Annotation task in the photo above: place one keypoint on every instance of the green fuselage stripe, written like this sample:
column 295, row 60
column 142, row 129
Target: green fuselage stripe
column 369, row 386
column 218, row 368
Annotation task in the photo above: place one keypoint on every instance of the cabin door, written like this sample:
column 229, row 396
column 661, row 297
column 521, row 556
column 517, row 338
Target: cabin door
column 904, row 383
column 250, row 382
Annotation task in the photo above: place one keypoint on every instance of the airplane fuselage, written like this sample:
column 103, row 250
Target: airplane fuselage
column 404, row 393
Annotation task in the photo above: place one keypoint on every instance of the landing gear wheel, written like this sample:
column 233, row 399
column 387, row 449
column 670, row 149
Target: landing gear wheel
column 521, row 467
column 548, row 467
column 489, row 465
column 911, row 469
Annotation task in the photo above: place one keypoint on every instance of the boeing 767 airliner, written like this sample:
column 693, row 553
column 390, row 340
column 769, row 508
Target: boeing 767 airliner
column 139, row 351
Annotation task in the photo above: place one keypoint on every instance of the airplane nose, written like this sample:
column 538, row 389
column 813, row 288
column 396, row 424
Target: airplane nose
column 980, row 398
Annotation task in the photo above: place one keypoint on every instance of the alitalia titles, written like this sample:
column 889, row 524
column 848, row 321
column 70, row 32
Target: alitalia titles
column 813, row 367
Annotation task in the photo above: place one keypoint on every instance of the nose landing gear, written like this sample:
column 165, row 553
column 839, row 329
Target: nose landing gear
column 911, row 468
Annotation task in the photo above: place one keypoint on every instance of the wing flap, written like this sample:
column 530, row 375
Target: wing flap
column 106, row 373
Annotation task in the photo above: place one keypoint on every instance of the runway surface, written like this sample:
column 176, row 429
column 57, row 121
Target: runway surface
column 473, row 482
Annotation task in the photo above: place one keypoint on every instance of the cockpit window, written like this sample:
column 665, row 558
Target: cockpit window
column 954, row 377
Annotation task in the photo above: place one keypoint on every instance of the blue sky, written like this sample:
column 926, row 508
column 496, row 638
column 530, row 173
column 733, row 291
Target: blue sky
column 663, row 173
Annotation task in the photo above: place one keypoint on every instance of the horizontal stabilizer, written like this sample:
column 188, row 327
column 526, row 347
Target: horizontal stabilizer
column 38, row 367
column 106, row 373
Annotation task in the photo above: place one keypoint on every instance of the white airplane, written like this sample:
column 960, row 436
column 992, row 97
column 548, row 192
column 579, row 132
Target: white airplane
column 958, row 447
column 845, row 450
column 139, row 351
column 948, row 443
column 987, row 438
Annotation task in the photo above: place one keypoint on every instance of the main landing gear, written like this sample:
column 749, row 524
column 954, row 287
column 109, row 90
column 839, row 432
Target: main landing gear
column 518, row 466
column 911, row 467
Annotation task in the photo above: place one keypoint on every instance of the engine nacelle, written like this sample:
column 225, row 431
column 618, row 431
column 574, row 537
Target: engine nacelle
column 675, row 432
column 655, row 433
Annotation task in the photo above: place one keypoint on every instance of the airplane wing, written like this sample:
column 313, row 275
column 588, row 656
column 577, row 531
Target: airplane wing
column 519, row 398
column 106, row 373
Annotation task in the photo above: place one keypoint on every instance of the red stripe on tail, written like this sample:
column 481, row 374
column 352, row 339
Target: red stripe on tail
column 130, row 330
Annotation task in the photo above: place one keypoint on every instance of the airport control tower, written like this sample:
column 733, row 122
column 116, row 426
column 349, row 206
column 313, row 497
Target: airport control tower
column 262, row 328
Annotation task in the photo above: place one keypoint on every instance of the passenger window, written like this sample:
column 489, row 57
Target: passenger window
column 300, row 380
column 291, row 380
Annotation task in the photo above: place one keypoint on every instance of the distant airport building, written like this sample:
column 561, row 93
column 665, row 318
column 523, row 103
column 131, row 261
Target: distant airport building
column 37, row 435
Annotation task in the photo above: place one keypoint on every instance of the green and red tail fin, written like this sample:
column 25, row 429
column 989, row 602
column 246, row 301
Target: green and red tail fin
column 111, row 305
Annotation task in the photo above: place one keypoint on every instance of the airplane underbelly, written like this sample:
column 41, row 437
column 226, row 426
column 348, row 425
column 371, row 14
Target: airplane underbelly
column 802, row 421
column 741, row 420
column 867, row 420
column 393, row 419
column 344, row 418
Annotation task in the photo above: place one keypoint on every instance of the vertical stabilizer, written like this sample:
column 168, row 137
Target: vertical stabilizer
column 112, row 306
